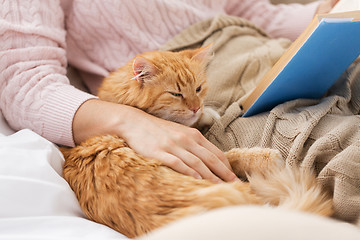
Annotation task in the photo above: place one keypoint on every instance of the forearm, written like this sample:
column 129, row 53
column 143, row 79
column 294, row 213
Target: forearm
column 35, row 93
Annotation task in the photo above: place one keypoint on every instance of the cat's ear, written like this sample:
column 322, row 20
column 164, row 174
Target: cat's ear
column 203, row 54
column 143, row 69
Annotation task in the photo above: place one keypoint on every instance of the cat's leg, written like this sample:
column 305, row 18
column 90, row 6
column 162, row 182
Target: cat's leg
column 249, row 160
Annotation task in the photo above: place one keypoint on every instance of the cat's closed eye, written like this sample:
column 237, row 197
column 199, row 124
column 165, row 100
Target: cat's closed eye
column 198, row 89
column 176, row 94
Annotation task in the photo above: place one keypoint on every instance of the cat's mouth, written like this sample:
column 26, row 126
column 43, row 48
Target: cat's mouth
column 188, row 120
column 185, row 119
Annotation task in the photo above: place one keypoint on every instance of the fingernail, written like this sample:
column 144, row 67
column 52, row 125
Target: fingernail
column 197, row 176
column 216, row 180
column 236, row 179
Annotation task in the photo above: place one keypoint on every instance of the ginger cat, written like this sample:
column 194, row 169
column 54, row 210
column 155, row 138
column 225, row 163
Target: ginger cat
column 134, row 195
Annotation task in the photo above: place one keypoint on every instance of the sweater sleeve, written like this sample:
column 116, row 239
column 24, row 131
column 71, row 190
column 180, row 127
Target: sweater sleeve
column 282, row 20
column 35, row 92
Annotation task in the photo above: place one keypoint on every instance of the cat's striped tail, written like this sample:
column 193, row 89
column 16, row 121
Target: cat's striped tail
column 292, row 188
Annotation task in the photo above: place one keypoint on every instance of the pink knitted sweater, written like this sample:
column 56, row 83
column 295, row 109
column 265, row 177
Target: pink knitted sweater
column 39, row 38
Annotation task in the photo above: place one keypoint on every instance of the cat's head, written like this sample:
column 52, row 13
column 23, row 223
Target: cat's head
column 172, row 85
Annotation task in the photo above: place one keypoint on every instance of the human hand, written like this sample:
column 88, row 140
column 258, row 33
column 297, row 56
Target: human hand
column 326, row 6
column 179, row 147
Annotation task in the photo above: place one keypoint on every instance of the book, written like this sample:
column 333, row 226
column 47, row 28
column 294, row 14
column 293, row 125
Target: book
column 312, row 63
column 346, row 5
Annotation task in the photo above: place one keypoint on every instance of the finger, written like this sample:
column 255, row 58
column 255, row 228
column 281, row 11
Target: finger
column 201, row 140
column 217, row 152
column 196, row 164
column 213, row 163
column 177, row 164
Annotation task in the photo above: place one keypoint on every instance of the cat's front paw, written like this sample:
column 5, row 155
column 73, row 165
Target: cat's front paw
column 274, row 158
column 250, row 160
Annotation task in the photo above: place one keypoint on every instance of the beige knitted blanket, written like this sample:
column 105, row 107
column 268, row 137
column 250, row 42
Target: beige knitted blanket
column 321, row 134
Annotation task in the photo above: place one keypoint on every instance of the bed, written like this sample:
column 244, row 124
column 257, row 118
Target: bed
column 37, row 203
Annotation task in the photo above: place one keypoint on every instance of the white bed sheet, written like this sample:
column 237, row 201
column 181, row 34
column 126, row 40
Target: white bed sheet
column 35, row 201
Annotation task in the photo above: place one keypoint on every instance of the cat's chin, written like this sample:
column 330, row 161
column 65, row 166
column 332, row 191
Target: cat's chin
column 189, row 121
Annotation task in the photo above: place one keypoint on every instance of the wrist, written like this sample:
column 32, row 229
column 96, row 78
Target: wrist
column 121, row 118
column 96, row 117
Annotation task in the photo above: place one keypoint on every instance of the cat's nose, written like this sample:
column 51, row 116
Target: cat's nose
column 195, row 109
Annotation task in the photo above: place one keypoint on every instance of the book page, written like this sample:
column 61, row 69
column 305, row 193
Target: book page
column 336, row 20
column 346, row 5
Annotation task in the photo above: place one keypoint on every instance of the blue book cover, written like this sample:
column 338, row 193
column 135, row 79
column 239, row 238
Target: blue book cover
column 315, row 67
